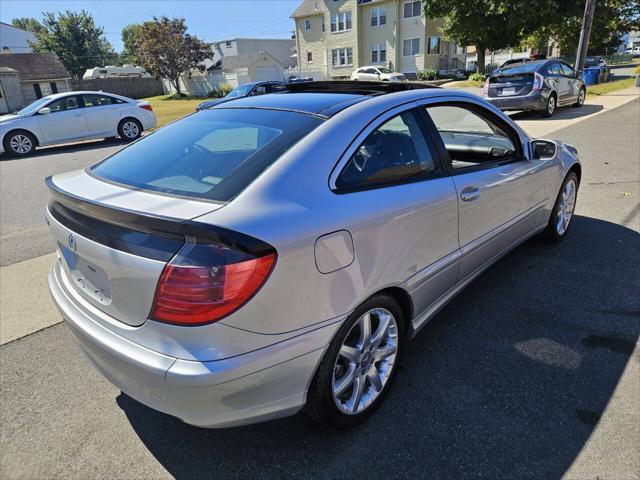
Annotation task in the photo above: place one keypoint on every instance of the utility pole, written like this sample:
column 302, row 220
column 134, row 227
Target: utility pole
column 583, row 46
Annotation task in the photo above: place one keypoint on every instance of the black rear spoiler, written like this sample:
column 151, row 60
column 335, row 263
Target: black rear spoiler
column 139, row 233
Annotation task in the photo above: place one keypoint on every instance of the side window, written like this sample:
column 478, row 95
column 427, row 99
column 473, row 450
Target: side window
column 259, row 90
column 276, row 88
column 567, row 71
column 57, row 106
column 71, row 103
column 395, row 152
column 96, row 100
column 471, row 139
column 62, row 104
column 554, row 69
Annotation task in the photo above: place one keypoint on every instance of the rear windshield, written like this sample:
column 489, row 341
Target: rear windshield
column 212, row 154
column 519, row 68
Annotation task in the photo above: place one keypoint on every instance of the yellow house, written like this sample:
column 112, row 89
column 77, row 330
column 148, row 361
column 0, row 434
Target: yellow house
column 333, row 37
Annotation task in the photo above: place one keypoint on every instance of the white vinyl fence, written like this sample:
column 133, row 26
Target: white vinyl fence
column 201, row 84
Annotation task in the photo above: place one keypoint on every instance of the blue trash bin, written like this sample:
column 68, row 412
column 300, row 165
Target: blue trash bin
column 590, row 75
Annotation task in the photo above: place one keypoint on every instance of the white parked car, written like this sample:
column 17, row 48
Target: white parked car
column 71, row 116
column 377, row 74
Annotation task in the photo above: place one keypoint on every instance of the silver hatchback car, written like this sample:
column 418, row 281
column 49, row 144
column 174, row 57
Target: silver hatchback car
column 276, row 253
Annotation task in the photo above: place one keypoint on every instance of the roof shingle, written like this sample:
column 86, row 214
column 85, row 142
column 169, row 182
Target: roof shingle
column 308, row 7
column 35, row 66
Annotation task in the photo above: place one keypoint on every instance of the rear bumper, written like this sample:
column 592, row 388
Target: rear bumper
column 249, row 388
column 534, row 101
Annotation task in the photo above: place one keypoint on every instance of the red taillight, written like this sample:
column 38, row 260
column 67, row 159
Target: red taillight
column 538, row 80
column 209, row 285
column 485, row 88
column 146, row 107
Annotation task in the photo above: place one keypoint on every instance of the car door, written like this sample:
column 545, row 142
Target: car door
column 500, row 194
column 102, row 113
column 65, row 122
column 560, row 81
column 402, row 207
column 373, row 74
column 573, row 87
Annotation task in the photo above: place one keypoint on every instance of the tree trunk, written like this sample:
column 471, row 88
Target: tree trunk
column 480, row 50
column 176, row 84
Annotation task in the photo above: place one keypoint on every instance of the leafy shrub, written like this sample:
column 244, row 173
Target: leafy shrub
column 221, row 91
column 426, row 74
column 477, row 77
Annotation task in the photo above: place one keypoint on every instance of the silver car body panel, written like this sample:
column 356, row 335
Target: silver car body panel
column 257, row 363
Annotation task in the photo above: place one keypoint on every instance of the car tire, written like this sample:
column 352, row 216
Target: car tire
column 20, row 143
column 563, row 209
column 371, row 362
column 551, row 106
column 129, row 129
column 581, row 97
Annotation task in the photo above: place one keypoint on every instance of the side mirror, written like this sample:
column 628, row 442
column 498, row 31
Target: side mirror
column 44, row 111
column 544, row 149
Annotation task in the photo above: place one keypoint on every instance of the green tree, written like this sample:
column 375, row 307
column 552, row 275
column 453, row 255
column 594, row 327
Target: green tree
column 129, row 36
column 490, row 24
column 611, row 20
column 76, row 39
column 30, row 24
column 165, row 49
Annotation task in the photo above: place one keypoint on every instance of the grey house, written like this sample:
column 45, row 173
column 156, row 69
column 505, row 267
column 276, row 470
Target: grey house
column 25, row 77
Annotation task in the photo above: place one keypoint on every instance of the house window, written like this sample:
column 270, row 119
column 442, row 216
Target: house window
column 378, row 16
column 307, row 24
column 341, row 22
column 412, row 9
column 433, row 46
column 379, row 53
column 323, row 27
column 411, row 47
column 36, row 88
column 227, row 44
column 341, row 57
column 54, row 87
column 309, row 57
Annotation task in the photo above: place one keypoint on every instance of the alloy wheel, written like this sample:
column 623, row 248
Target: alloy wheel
column 581, row 97
column 365, row 361
column 565, row 206
column 130, row 129
column 551, row 107
column 21, row 144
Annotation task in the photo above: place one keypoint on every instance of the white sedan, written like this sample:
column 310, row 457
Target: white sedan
column 377, row 74
column 71, row 116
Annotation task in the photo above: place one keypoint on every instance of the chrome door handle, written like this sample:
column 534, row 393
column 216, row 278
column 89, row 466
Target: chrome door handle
column 469, row 194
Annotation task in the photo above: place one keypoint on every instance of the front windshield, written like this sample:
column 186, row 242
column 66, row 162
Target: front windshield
column 384, row 70
column 241, row 91
column 34, row 107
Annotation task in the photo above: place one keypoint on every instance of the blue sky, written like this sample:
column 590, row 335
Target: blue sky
column 208, row 19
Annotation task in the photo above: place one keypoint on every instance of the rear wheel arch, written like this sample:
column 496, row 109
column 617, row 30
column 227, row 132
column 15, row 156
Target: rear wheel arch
column 403, row 298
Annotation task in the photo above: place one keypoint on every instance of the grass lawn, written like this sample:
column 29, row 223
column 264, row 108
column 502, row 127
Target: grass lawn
column 168, row 109
column 603, row 88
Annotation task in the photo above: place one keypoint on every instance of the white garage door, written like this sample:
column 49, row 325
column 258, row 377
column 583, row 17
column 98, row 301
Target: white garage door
column 260, row 74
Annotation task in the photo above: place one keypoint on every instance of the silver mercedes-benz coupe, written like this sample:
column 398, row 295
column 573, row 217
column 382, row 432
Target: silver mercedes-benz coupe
column 276, row 253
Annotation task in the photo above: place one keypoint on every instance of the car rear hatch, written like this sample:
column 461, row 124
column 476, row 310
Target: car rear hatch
column 113, row 255
column 510, row 85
